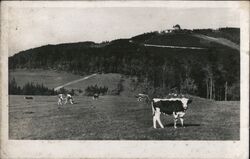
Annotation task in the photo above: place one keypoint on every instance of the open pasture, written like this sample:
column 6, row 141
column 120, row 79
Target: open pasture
column 49, row 78
column 118, row 118
column 53, row 79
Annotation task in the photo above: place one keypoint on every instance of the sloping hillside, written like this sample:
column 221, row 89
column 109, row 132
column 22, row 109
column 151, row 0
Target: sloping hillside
column 231, row 34
column 203, row 72
column 54, row 79
column 176, row 39
column 221, row 41
column 201, row 38
column 109, row 80
column 50, row 78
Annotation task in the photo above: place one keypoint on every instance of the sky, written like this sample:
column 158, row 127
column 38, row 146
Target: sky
column 34, row 27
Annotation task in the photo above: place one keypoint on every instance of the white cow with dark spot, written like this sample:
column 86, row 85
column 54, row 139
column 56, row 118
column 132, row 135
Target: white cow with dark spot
column 173, row 106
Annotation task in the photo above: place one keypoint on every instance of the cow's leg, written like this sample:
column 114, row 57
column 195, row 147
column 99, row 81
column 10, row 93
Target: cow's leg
column 157, row 115
column 59, row 102
column 181, row 114
column 182, row 121
column 175, row 119
column 154, row 121
column 139, row 99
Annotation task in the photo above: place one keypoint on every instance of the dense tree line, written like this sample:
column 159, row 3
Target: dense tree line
column 71, row 91
column 29, row 89
column 213, row 72
column 91, row 90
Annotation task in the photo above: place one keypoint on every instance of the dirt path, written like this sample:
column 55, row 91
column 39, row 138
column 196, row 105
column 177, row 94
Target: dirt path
column 75, row 81
column 221, row 41
column 176, row 47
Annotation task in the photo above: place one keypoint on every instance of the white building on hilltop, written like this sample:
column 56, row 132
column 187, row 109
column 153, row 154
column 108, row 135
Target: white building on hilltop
column 176, row 27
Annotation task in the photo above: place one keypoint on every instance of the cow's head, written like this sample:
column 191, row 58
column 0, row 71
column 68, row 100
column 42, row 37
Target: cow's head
column 185, row 102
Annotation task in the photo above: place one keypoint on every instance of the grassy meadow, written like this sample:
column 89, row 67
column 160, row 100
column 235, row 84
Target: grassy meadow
column 53, row 79
column 118, row 118
column 49, row 78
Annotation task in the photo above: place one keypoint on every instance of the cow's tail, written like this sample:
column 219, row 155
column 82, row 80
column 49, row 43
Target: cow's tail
column 153, row 109
column 148, row 99
column 152, row 104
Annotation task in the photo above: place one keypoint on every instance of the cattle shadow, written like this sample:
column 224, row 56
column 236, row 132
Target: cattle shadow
column 179, row 125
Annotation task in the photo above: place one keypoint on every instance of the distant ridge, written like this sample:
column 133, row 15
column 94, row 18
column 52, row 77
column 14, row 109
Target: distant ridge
column 204, row 62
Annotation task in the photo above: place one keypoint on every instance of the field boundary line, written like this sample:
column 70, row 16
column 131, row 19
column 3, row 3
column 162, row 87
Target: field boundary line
column 75, row 81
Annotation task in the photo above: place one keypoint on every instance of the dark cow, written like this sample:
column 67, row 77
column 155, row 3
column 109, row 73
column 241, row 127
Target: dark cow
column 173, row 106
column 28, row 97
column 95, row 96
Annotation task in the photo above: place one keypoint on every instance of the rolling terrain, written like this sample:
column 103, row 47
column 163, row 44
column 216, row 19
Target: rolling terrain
column 114, row 117
column 163, row 61
column 50, row 78
column 55, row 79
column 204, row 63
column 221, row 41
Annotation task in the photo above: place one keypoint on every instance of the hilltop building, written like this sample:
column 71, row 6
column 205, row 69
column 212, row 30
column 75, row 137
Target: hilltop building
column 176, row 27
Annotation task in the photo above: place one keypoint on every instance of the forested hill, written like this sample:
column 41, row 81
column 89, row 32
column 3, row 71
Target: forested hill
column 212, row 70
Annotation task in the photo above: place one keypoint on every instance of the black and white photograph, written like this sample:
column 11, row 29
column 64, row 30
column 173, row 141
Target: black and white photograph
column 128, row 72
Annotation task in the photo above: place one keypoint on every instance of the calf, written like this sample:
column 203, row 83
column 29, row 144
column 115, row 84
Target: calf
column 175, row 106
column 95, row 96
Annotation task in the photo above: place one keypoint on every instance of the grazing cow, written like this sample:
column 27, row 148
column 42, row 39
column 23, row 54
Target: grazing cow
column 95, row 96
column 27, row 97
column 175, row 106
column 142, row 97
column 60, row 99
column 69, row 98
column 63, row 99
